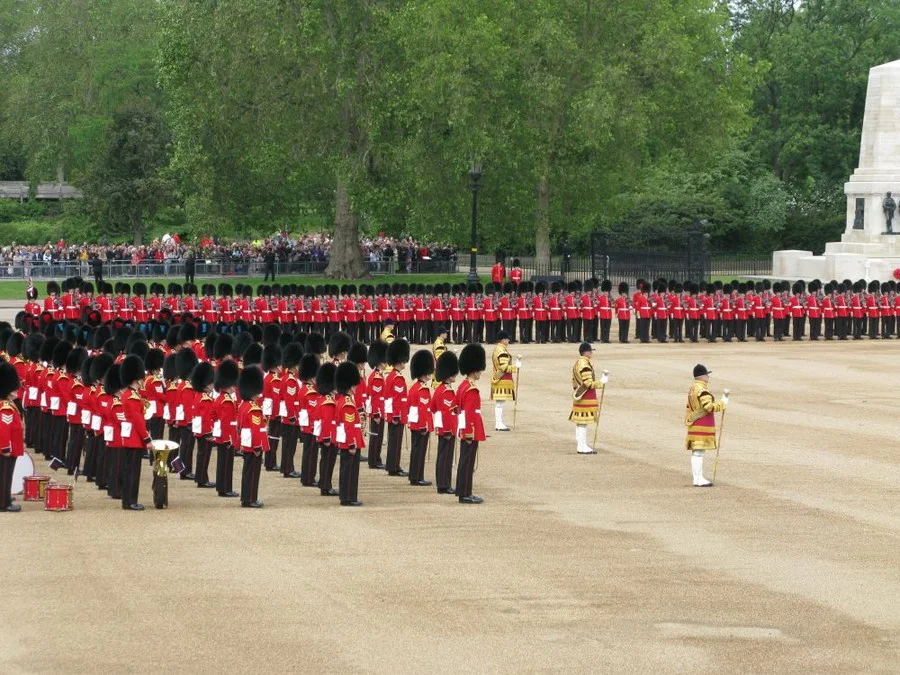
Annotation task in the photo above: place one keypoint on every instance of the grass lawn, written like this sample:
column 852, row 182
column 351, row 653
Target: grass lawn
column 15, row 289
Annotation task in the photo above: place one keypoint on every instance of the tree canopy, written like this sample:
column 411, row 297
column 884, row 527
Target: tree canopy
column 260, row 115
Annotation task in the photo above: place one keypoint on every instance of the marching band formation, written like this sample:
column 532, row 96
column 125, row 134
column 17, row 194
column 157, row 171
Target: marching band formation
column 97, row 398
column 527, row 312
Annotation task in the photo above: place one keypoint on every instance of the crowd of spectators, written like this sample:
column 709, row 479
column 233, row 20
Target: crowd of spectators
column 383, row 253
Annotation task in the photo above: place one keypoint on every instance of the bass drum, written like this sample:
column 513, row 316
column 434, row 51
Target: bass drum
column 24, row 467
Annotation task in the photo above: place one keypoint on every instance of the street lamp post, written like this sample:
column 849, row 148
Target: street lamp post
column 475, row 175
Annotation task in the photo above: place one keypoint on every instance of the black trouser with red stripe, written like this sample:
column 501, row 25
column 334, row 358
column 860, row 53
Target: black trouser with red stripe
column 131, row 474
column 74, row 447
column 186, row 452
column 224, row 468
column 443, row 468
column 290, row 434
column 326, row 466
column 394, row 447
column 308, row 459
column 7, row 467
column 349, row 477
column 418, row 448
column 274, row 436
column 250, row 477
column 376, row 437
column 465, row 470
column 204, row 450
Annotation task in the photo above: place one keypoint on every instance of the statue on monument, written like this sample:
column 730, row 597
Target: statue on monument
column 889, row 206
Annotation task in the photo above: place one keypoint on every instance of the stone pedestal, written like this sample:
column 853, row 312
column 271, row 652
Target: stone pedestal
column 865, row 249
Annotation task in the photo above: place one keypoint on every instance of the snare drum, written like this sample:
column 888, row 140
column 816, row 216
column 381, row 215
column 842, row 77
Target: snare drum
column 58, row 497
column 35, row 488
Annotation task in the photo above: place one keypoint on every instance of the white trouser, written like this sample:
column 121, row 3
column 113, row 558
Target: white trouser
column 498, row 415
column 697, row 467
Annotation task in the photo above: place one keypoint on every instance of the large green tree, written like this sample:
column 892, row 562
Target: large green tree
column 128, row 182
column 71, row 64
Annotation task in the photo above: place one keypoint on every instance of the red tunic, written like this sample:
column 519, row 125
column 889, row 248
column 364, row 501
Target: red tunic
column 470, row 426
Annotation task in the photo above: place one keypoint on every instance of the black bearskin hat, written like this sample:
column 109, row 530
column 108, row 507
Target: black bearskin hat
column 171, row 337
column 9, row 380
column 14, row 344
column 447, row 366
column 139, row 348
column 185, row 362
column 250, row 383
column 271, row 333
column 472, row 359
column 377, row 354
column 345, row 377
column 339, row 344
column 241, row 342
column 398, row 352
column 227, row 374
column 209, row 344
column 325, row 378
column 131, row 370
column 623, row 288
column 291, row 355
column 357, row 353
column 203, row 376
column 271, row 356
column 170, row 368
column 86, row 378
column 222, row 348
column 34, row 343
column 112, row 382
column 154, row 360
column 253, row 355
column 187, row 332
column 315, row 344
column 61, row 353
column 309, row 366
column 75, row 360
column 99, row 365
column 422, row 364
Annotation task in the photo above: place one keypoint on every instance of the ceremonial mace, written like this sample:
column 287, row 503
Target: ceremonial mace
column 516, row 402
column 719, row 440
column 599, row 409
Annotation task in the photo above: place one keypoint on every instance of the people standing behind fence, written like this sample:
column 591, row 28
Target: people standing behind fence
column 294, row 254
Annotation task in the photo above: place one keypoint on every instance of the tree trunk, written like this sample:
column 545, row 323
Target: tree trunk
column 542, row 223
column 346, row 257
column 138, row 227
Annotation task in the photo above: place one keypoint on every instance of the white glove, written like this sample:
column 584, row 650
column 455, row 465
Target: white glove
column 725, row 399
column 518, row 363
column 604, row 379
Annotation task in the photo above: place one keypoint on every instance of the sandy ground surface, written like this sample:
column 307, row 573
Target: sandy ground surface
column 604, row 563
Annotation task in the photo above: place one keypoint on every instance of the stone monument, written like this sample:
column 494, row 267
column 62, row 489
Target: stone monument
column 869, row 247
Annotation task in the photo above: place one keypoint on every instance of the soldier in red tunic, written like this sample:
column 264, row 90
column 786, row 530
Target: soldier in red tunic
column 395, row 402
column 135, row 438
column 470, row 425
column 253, row 434
column 421, row 368
column 348, row 436
column 444, row 419
column 12, row 435
column 376, row 358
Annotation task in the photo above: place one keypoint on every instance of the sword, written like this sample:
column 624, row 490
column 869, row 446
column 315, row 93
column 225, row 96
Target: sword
column 719, row 440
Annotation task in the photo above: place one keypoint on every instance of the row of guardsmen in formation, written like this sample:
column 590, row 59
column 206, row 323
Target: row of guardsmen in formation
column 102, row 393
column 527, row 312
